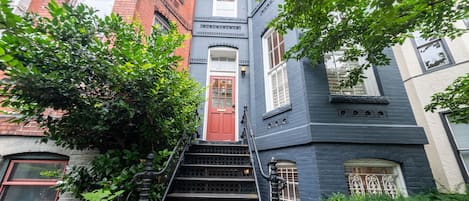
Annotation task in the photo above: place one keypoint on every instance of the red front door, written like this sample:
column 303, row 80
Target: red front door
column 221, row 109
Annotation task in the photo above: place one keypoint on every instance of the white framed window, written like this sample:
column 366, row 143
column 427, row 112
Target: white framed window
column 20, row 7
column 289, row 172
column 275, row 70
column 460, row 136
column 225, row 8
column 337, row 70
column 466, row 22
column 223, row 59
column 374, row 176
column 103, row 7
column 431, row 52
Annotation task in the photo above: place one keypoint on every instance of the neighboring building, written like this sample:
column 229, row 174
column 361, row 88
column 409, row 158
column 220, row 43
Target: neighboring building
column 22, row 158
column 428, row 67
column 326, row 139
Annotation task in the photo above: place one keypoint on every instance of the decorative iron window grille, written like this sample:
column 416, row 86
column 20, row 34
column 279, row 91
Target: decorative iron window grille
column 373, row 176
column 289, row 172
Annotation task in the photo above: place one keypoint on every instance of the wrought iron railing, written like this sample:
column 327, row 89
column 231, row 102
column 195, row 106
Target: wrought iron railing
column 277, row 183
column 148, row 175
column 170, row 167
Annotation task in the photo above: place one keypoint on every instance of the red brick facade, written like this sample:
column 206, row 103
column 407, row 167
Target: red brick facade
column 141, row 10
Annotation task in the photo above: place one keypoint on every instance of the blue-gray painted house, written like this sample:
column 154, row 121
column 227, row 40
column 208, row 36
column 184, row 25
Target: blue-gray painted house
column 329, row 143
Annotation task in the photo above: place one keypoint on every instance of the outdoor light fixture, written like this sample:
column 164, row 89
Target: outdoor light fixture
column 246, row 171
column 243, row 70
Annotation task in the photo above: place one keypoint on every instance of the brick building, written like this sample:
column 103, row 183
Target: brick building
column 19, row 147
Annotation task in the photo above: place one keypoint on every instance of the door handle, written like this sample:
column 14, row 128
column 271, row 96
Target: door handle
column 233, row 106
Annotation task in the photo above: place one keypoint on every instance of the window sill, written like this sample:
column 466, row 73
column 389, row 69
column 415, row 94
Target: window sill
column 380, row 100
column 277, row 111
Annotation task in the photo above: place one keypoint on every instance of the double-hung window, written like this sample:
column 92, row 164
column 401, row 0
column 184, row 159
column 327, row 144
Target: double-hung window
column 225, row 8
column 275, row 68
column 431, row 52
column 31, row 180
column 337, row 70
column 460, row 136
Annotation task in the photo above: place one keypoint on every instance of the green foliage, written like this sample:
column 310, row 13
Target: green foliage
column 429, row 196
column 116, row 86
column 455, row 99
column 366, row 27
column 115, row 89
column 110, row 172
column 101, row 195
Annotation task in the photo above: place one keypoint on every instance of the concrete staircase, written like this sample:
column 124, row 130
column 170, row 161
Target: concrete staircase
column 214, row 172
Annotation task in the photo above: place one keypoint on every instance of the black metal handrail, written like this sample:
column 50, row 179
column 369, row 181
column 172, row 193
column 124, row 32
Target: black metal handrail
column 277, row 183
column 148, row 174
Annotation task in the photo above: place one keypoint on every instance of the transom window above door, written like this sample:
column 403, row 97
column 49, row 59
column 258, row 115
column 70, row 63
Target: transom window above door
column 225, row 8
column 223, row 59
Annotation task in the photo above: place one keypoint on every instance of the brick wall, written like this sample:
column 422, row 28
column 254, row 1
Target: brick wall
column 141, row 10
column 183, row 16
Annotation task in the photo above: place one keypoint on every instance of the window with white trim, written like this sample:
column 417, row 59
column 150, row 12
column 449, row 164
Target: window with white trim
column 225, row 8
column 103, row 7
column 275, row 70
column 337, row 70
column 31, row 180
column 20, row 7
column 460, row 136
column 289, row 172
column 466, row 22
column 374, row 176
column 223, row 59
column 431, row 51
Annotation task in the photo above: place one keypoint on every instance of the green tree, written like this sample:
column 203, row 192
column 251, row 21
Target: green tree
column 115, row 89
column 364, row 28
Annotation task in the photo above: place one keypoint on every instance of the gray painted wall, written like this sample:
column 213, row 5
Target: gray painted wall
column 311, row 130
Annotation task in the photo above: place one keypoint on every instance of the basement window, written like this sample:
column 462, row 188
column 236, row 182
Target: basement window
column 374, row 176
column 289, row 172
